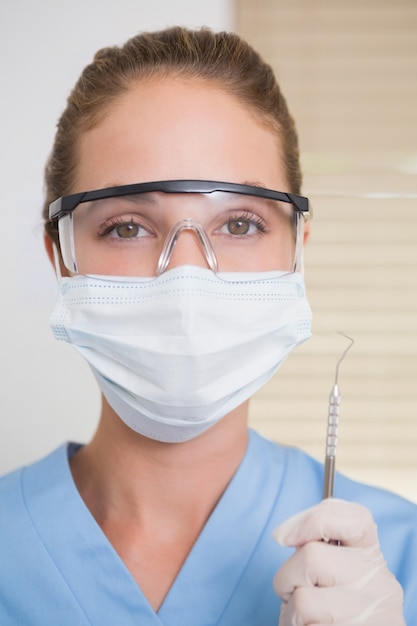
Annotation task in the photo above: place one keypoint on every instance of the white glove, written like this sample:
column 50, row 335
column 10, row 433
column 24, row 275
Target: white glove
column 348, row 583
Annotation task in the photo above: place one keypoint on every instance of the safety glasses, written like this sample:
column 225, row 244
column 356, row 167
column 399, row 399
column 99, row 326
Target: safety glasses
column 139, row 229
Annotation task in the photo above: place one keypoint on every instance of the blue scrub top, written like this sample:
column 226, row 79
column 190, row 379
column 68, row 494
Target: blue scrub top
column 57, row 568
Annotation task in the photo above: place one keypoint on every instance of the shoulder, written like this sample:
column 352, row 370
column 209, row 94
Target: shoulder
column 297, row 466
column 301, row 487
column 303, row 473
column 27, row 570
column 32, row 481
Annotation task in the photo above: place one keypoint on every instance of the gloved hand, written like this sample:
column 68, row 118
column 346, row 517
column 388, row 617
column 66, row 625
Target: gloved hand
column 322, row 583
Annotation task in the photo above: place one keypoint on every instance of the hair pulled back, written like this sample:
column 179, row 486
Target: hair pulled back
column 222, row 58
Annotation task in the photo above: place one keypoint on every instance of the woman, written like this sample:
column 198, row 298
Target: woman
column 174, row 220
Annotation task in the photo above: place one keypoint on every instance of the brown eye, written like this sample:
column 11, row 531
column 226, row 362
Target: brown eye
column 127, row 231
column 238, row 227
column 243, row 224
column 124, row 228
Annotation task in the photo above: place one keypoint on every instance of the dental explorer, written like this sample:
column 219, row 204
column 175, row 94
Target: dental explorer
column 332, row 429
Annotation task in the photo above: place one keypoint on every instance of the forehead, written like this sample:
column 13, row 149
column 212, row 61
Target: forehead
column 178, row 129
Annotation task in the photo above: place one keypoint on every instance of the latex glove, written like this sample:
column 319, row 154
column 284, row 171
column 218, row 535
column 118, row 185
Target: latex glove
column 323, row 583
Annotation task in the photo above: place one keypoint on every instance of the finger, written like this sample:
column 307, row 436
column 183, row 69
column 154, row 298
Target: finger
column 347, row 522
column 319, row 607
column 306, row 609
column 319, row 564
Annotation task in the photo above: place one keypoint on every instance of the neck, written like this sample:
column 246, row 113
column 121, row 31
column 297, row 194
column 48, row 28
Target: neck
column 125, row 474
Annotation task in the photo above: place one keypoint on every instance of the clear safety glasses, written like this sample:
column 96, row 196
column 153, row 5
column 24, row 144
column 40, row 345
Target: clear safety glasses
column 140, row 229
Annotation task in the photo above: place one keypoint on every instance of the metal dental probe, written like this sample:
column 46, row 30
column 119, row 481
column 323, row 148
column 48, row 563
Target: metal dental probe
column 332, row 429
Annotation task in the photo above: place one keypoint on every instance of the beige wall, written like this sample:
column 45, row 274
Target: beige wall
column 349, row 71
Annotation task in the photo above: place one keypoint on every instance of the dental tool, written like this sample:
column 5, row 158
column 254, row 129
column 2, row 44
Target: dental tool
column 332, row 429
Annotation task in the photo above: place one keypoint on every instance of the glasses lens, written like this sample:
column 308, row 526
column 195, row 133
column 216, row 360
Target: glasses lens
column 126, row 235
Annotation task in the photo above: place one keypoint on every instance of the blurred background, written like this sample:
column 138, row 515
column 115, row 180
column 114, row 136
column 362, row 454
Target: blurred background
column 349, row 71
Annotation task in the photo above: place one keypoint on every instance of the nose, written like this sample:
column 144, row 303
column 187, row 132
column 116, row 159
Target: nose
column 187, row 244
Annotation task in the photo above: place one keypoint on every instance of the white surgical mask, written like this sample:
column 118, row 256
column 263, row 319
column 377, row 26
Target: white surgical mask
column 175, row 354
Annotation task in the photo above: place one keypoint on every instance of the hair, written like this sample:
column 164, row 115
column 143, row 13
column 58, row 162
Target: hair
column 222, row 58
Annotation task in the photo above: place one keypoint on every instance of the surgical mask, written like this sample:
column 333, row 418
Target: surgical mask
column 176, row 353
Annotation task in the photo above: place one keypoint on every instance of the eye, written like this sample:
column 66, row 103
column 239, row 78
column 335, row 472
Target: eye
column 122, row 228
column 238, row 227
column 243, row 224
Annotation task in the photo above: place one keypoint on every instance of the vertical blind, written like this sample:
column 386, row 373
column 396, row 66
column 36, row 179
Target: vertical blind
column 349, row 71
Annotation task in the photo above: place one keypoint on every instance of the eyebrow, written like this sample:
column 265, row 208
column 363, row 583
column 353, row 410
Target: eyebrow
column 252, row 183
column 140, row 198
column 249, row 183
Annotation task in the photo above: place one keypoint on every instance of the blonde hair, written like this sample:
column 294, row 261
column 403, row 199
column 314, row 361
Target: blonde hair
column 219, row 57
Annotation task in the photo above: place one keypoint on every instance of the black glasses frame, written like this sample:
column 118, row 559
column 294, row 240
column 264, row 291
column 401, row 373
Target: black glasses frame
column 66, row 204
